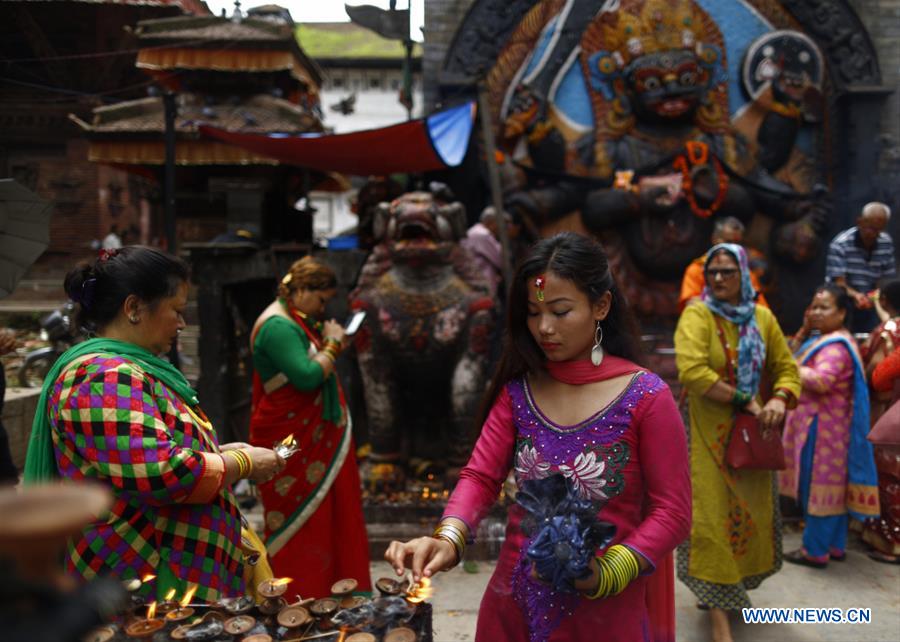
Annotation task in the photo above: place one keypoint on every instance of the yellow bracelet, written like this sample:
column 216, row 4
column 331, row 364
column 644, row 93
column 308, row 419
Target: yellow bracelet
column 618, row 568
column 237, row 460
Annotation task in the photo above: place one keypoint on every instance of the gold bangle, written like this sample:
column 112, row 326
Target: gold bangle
column 232, row 454
column 454, row 535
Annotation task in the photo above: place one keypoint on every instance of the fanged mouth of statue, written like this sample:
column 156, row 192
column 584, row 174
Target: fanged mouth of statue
column 415, row 234
column 673, row 107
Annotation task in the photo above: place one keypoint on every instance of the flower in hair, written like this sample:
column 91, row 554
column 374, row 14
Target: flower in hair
column 287, row 278
column 105, row 255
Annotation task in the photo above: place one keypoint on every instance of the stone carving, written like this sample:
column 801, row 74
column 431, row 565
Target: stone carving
column 836, row 26
column 631, row 133
column 423, row 350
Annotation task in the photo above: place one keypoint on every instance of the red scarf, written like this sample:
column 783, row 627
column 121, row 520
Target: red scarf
column 583, row 371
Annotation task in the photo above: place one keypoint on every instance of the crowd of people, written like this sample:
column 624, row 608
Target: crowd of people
column 569, row 400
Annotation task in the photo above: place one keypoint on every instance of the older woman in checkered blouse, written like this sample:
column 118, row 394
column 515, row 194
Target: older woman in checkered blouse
column 113, row 412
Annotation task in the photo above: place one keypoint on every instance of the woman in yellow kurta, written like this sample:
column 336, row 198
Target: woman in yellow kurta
column 723, row 345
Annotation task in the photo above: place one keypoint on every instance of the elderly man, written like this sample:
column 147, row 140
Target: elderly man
column 859, row 257
column 483, row 244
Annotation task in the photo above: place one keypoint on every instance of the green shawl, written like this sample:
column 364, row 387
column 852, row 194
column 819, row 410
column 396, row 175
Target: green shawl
column 40, row 461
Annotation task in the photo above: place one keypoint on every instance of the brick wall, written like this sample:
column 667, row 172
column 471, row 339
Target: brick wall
column 88, row 199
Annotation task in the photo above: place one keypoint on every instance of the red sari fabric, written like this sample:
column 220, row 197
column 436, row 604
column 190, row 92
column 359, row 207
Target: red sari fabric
column 314, row 527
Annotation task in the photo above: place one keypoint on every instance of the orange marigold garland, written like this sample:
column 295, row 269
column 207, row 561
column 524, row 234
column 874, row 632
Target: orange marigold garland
column 697, row 153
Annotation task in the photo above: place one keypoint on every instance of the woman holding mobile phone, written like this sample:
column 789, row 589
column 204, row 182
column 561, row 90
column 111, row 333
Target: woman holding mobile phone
column 314, row 527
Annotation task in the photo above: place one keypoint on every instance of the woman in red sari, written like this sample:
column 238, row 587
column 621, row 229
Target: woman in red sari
column 314, row 526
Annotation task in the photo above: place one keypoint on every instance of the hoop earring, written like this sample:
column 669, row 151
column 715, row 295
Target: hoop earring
column 597, row 350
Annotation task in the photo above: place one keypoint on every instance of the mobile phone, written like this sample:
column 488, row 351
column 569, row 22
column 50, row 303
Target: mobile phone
column 354, row 322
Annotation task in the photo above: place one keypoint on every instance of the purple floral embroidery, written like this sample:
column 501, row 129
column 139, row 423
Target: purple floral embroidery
column 592, row 454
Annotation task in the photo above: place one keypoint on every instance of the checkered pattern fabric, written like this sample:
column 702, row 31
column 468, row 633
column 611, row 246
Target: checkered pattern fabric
column 114, row 424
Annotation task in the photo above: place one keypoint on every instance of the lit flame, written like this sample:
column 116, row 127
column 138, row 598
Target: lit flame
column 282, row 580
column 420, row 592
column 147, row 578
column 170, row 595
column 187, row 596
column 151, row 610
column 288, row 441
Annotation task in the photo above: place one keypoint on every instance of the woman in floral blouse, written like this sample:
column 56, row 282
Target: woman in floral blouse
column 559, row 405
column 113, row 412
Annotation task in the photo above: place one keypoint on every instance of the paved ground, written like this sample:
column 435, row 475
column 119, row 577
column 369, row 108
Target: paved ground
column 858, row 582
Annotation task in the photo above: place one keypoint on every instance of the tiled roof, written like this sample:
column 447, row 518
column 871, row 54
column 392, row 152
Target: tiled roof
column 214, row 29
column 256, row 114
column 196, row 7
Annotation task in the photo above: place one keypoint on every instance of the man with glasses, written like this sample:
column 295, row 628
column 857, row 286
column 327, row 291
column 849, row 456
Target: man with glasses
column 858, row 258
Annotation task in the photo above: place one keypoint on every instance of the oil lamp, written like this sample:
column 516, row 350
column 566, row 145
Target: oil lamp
column 388, row 586
column 239, row 624
column 293, row 616
column 272, row 590
column 144, row 629
column 168, row 604
column 400, row 634
column 183, row 611
column 286, row 447
column 420, row 591
column 343, row 588
column 102, row 634
column 273, row 587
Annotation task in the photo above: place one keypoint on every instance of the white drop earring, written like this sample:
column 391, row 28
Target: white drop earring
column 597, row 350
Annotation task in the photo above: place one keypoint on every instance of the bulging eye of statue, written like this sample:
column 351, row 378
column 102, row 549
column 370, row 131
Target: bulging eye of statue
column 688, row 78
column 650, row 83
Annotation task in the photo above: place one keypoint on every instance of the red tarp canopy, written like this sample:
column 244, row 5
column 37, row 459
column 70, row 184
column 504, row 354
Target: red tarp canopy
column 436, row 142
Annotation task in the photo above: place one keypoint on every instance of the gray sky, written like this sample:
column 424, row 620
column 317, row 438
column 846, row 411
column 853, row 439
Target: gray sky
column 326, row 10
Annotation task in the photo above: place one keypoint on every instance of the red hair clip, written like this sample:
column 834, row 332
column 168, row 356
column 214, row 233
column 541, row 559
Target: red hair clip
column 105, row 255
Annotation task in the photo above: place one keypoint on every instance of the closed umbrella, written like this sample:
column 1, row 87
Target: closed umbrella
column 24, row 231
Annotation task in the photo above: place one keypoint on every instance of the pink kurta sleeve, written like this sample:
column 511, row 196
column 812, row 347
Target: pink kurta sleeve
column 480, row 480
column 665, row 471
column 829, row 366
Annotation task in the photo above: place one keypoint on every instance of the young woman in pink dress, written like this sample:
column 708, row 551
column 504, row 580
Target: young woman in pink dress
column 568, row 399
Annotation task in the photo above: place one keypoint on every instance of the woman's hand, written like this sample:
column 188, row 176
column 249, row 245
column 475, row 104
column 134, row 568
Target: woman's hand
column 266, row 464
column 234, row 445
column 424, row 555
column 333, row 330
column 772, row 414
column 753, row 408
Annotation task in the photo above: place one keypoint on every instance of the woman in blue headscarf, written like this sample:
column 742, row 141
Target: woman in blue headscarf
column 724, row 344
